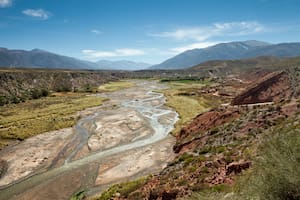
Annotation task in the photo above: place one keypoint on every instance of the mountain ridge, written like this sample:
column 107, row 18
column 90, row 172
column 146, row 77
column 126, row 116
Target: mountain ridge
column 229, row 51
column 38, row 58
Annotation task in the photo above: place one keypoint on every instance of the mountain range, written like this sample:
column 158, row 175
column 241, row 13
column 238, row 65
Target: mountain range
column 121, row 65
column 37, row 58
column 228, row 51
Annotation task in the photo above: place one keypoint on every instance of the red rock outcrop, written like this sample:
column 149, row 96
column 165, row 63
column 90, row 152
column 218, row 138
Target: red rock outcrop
column 204, row 122
column 273, row 87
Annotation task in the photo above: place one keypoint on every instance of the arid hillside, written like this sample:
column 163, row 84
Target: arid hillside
column 220, row 145
column 273, row 87
column 19, row 85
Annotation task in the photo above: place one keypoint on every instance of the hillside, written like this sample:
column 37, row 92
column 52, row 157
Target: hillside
column 229, row 51
column 217, row 148
column 121, row 65
column 223, row 67
column 37, row 58
column 20, row 85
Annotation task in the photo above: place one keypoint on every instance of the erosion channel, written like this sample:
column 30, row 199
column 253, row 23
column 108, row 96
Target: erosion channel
column 125, row 138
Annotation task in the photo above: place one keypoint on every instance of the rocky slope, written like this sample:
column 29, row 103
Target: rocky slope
column 19, row 85
column 221, row 143
column 273, row 87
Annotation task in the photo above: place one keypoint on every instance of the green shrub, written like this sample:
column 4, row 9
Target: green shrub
column 14, row 99
column 79, row 195
column 3, row 100
column 44, row 92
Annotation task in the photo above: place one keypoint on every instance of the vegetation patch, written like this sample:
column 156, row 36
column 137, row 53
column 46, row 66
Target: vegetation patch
column 123, row 189
column 26, row 119
column 187, row 106
column 115, row 86
column 79, row 195
column 275, row 174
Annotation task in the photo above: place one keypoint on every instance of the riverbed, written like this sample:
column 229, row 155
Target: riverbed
column 126, row 138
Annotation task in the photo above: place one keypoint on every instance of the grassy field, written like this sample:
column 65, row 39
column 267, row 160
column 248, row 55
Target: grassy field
column 181, row 97
column 115, row 86
column 23, row 120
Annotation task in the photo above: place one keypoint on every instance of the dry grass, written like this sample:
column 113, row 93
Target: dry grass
column 115, row 86
column 187, row 107
column 23, row 120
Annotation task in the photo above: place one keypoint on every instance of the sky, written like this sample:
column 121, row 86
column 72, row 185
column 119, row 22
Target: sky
column 148, row 31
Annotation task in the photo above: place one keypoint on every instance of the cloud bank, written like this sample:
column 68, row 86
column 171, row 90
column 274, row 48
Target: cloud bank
column 93, row 54
column 5, row 3
column 217, row 29
column 204, row 36
column 38, row 13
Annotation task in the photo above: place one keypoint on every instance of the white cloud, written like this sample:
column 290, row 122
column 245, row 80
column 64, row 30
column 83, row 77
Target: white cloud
column 185, row 34
column 5, row 3
column 218, row 29
column 38, row 13
column 95, row 31
column 197, row 45
column 239, row 28
column 93, row 54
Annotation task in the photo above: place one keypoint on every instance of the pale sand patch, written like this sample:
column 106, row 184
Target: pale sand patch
column 153, row 157
column 32, row 154
column 116, row 128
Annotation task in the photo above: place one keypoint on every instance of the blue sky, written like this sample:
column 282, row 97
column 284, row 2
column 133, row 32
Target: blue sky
column 142, row 30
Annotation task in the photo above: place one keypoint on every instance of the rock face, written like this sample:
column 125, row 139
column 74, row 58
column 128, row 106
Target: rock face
column 237, row 167
column 202, row 123
column 271, row 88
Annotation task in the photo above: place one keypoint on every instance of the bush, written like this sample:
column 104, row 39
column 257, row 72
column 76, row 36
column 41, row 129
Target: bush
column 64, row 88
column 44, row 92
column 38, row 93
column 14, row 99
column 87, row 88
column 79, row 195
column 3, row 100
column 35, row 94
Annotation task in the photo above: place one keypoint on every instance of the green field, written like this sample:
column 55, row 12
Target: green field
column 182, row 97
column 23, row 120
column 115, row 86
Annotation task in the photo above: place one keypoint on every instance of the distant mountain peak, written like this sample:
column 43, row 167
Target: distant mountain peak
column 256, row 43
column 44, row 59
column 122, row 65
column 228, row 51
column 39, row 50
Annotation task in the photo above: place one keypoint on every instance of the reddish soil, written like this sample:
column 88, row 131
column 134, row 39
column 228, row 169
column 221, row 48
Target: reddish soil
column 273, row 87
column 204, row 122
column 215, row 146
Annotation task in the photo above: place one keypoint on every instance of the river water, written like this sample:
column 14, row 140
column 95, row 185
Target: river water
column 142, row 99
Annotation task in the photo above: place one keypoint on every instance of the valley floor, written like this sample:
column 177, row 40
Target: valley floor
column 125, row 138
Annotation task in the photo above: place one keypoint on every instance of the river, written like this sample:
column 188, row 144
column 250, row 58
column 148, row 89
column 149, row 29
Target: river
column 129, row 147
